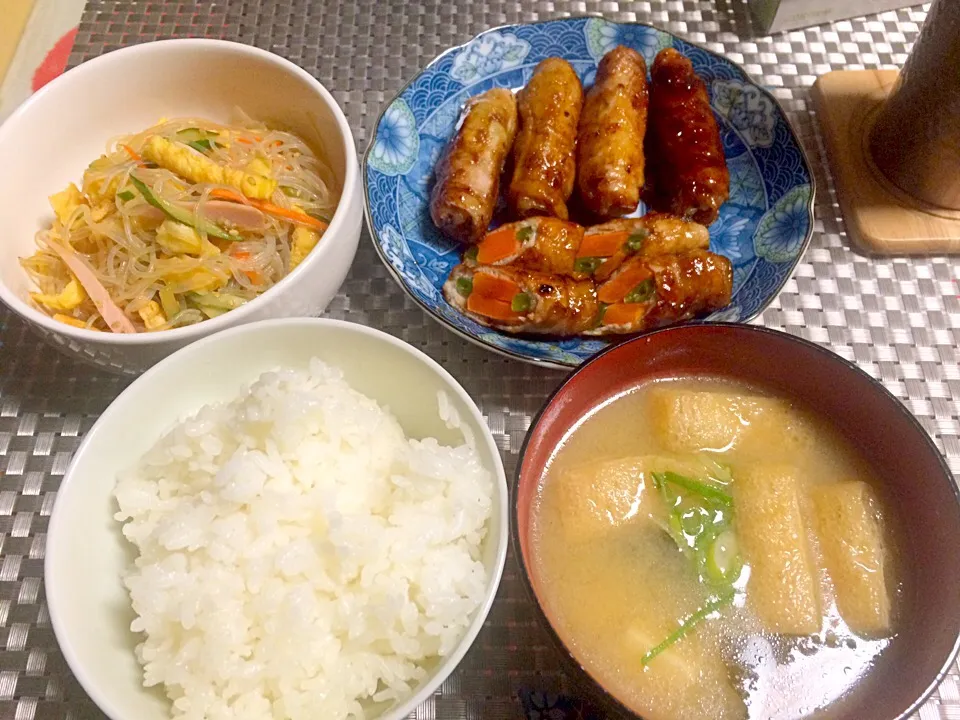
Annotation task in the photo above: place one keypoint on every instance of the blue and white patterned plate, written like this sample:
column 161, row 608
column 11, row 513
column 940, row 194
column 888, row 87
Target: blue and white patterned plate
column 763, row 228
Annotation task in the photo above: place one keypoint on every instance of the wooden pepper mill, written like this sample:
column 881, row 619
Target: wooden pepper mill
column 893, row 142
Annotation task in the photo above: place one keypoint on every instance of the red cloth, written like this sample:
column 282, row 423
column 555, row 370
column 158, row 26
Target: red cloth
column 55, row 62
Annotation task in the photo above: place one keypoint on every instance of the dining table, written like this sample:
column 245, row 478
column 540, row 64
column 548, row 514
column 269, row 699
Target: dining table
column 897, row 318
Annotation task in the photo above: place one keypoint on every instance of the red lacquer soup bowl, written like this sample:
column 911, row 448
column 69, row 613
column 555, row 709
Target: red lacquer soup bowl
column 912, row 477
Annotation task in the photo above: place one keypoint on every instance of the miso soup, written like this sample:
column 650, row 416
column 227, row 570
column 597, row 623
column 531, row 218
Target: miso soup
column 709, row 552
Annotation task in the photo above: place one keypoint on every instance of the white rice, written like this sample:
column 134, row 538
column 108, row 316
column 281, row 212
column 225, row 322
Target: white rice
column 299, row 557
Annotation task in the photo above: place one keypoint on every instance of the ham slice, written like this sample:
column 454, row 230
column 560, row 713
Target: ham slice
column 109, row 311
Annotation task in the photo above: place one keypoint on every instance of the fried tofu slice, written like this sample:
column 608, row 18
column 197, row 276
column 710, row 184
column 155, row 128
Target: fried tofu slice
column 688, row 678
column 783, row 587
column 598, row 497
column 851, row 541
column 696, row 420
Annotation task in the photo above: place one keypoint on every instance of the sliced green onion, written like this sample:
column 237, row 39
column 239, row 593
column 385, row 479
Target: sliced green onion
column 465, row 286
column 723, row 563
column 598, row 322
column 707, row 491
column 587, row 265
column 522, row 302
column 643, row 292
column 319, row 216
column 636, row 240
column 689, row 624
column 524, row 233
column 125, row 195
column 692, row 520
column 471, row 254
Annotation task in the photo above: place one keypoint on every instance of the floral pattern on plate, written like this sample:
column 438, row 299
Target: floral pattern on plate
column 782, row 232
column 763, row 228
column 603, row 36
column 490, row 53
column 395, row 149
column 751, row 111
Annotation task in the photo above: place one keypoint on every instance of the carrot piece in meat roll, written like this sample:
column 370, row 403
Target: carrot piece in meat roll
column 644, row 293
column 649, row 292
column 468, row 175
column 555, row 246
column 518, row 301
column 539, row 244
column 605, row 247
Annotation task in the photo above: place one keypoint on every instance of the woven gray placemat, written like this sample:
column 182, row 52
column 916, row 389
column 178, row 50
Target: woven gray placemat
column 898, row 319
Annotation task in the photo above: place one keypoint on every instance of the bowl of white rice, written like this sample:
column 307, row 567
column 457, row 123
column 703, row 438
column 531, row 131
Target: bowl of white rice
column 290, row 519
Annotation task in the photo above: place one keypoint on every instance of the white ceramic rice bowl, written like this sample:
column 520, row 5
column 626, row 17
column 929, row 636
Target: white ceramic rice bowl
column 49, row 141
column 86, row 552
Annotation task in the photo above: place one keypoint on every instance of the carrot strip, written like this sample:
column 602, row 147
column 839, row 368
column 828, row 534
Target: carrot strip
column 493, row 287
column 602, row 245
column 609, row 266
column 488, row 307
column 253, row 275
column 498, row 245
column 134, row 155
column 624, row 313
column 270, row 208
column 616, row 289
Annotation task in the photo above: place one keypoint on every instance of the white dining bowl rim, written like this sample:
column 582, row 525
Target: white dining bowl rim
column 185, row 355
column 191, row 332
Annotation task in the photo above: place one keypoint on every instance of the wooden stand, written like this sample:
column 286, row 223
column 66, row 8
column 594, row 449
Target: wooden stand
column 880, row 217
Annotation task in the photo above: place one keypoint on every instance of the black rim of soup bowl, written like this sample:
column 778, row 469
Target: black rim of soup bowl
column 582, row 678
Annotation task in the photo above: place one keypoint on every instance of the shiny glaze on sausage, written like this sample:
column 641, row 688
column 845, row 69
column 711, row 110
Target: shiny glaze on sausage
column 610, row 156
column 686, row 168
column 468, row 176
column 544, row 154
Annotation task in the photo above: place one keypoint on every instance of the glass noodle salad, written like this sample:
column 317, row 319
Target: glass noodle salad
column 184, row 221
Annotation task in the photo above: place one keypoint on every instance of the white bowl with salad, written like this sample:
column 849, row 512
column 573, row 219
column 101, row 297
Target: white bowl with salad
column 169, row 190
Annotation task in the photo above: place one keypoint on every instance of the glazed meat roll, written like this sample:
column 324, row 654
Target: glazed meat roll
column 560, row 247
column 520, row 301
column 649, row 292
column 538, row 244
column 544, row 154
column 468, row 175
column 686, row 167
column 610, row 139
column 644, row 293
